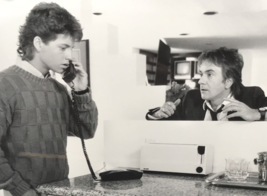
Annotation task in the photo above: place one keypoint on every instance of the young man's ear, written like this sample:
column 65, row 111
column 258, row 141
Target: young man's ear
column 228, row 83
column 37, row 43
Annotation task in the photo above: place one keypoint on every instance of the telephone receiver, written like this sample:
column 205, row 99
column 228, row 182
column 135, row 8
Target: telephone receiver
column 70, row 72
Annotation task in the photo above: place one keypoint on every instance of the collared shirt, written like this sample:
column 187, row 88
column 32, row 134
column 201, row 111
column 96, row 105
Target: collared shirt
column 221, row 115
column 25, row 65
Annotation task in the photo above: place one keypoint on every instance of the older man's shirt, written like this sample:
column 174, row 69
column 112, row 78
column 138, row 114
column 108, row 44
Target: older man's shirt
column 220, row 116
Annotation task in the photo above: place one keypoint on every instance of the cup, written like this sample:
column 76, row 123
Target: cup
column 236, row 169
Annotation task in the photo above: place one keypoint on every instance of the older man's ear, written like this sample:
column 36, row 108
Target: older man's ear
column 228, row 83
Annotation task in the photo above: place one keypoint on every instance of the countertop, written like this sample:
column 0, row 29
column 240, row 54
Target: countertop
column 151, row 184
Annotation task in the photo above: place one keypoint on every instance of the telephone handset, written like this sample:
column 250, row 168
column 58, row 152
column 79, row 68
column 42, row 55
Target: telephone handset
column 70, row 73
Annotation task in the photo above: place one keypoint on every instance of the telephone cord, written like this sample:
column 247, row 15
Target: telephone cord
column 76, row 114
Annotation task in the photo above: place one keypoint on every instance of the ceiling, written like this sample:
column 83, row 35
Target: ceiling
column 238, row 24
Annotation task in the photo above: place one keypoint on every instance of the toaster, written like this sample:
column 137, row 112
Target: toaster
column 177, row 158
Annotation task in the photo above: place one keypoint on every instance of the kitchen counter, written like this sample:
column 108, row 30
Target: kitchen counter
column 151, row 184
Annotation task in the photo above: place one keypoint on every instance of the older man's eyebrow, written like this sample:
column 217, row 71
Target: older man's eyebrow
column 209, row 70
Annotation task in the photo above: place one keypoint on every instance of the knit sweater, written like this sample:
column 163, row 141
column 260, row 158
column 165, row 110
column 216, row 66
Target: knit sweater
column 36, row 116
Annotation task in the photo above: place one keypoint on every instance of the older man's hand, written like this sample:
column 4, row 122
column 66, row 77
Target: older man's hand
column 240, row 110
column 167, row 109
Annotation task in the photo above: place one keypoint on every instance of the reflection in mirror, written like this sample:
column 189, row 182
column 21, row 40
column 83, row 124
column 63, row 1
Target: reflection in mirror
column 215, row 92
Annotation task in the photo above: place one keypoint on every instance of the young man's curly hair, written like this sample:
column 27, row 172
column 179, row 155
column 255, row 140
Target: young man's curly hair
column 46, row 20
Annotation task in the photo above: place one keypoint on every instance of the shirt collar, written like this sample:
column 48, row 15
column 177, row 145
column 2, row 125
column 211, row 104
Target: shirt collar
column 25, row 65
column 207, row 103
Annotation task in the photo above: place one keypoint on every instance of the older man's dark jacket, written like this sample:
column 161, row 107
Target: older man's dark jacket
column 191, row 107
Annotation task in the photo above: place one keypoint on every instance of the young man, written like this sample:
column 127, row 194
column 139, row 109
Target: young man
column 36, row 112
column 221, row 96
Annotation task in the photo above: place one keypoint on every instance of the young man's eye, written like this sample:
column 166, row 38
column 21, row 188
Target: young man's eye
column 63, row 48
column 209, row 74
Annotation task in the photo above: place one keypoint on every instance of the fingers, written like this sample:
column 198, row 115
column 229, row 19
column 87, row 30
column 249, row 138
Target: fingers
column 239, row 109
column 177, row 102
column 78, row 66
column 161, row 114
column 234, row 105
column 230, row 108
column 164, row 113
column 234, row 114
column 169, row 105
column 79, row 69
column 231, row 115
column 166, row 110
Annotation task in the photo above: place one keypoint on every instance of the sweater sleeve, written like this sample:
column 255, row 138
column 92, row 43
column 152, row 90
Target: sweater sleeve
column 9, row 179
column 88, row 115
column 261, row 99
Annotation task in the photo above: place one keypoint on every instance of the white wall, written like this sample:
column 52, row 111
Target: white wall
column 255, row 67
column 230, row 139
column 259, row 69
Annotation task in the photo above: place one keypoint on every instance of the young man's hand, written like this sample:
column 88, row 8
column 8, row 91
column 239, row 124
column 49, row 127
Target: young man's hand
column 81, row 79
column 241, row 110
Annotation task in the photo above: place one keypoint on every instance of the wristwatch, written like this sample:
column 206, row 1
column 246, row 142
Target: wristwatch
column 262, row 111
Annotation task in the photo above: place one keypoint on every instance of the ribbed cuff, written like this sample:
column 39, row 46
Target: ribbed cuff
column 22, row 188
column 82, row 92
column 83, row 98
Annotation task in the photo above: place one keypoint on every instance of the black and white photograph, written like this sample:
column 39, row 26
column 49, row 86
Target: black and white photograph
column 124, row 97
